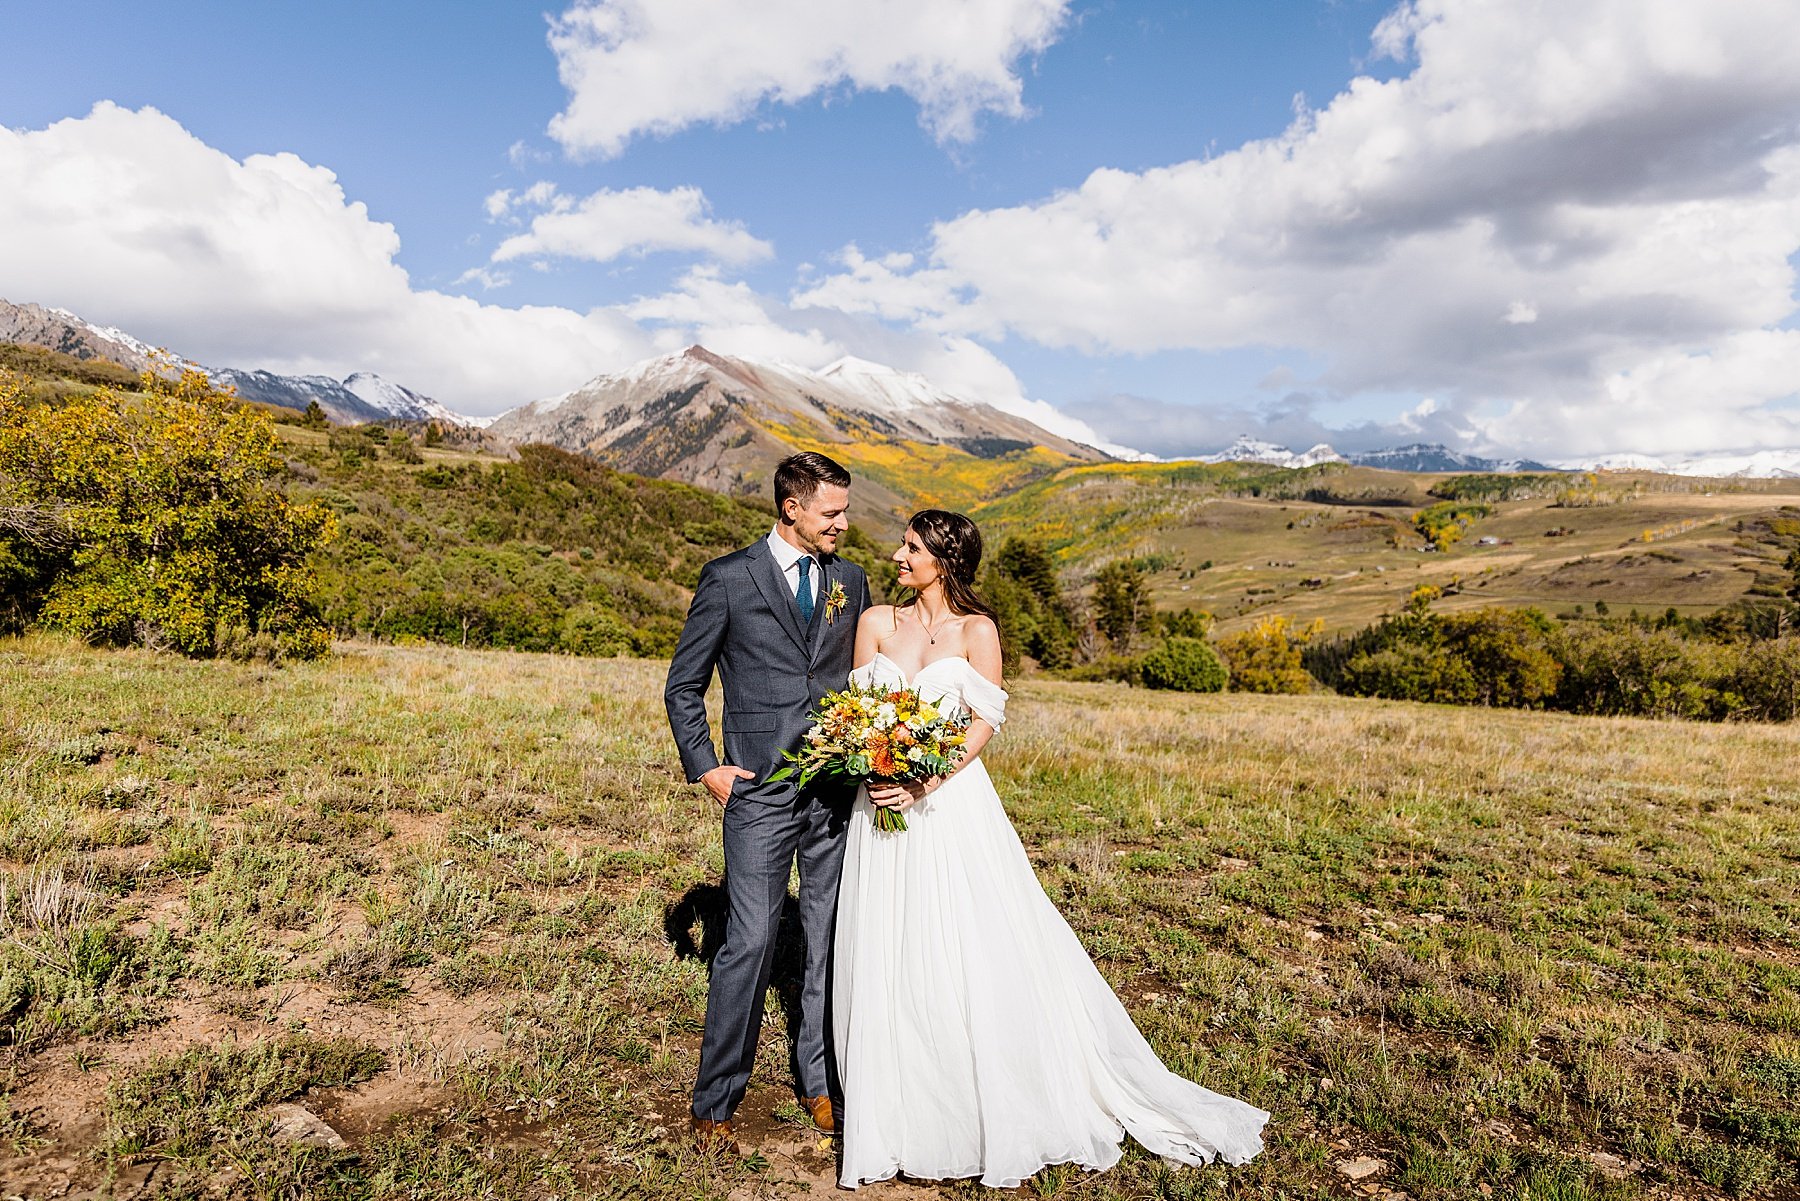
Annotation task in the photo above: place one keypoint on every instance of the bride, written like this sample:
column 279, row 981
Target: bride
column 974, row 1036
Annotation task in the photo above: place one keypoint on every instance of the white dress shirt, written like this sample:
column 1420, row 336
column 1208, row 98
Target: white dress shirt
column 787, row 557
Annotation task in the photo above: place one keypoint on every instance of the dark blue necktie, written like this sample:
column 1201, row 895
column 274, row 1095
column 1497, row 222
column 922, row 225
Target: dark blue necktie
column 805, row 595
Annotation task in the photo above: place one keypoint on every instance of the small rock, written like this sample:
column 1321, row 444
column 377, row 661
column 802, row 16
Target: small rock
column 1433, row 918
column 297, row 1124
column 1362, row 1167
column 1610, row 1164
column 1313, row 936
column 1231, row 864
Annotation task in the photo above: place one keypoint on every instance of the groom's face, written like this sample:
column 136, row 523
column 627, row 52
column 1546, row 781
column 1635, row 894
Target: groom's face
column 819, row 522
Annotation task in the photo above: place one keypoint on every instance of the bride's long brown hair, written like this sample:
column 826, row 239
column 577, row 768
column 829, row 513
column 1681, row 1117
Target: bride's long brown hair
column 955, row 542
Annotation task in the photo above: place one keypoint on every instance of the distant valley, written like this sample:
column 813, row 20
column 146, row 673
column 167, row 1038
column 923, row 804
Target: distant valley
column 455, row 534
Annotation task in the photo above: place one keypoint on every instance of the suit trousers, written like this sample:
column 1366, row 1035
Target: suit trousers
column 763, row 837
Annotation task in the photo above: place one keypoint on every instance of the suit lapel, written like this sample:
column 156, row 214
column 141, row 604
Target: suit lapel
column 775, row 592
column 829, row 573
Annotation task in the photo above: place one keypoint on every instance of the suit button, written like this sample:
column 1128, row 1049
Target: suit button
column 809, row 675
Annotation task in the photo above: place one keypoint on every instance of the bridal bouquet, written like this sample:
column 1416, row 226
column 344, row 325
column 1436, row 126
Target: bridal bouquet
column 873, row 733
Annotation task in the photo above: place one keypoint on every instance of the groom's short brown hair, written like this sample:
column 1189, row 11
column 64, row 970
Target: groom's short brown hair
column 801, row 475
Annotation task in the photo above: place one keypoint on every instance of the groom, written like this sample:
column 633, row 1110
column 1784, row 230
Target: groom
column 778, row 621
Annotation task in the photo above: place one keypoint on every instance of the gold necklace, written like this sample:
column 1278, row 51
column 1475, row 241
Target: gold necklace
column 929, row 634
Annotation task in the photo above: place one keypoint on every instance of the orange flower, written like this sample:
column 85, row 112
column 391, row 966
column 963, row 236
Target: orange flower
column 882, row 763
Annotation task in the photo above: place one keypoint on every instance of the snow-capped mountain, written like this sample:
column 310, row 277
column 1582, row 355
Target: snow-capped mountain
column 388, row 397
column 723, row 422
column 1757, row 464
column 64, row 332
column 1418, row 457
column 1254, row 450
column 1434, row 456
column 360, row 397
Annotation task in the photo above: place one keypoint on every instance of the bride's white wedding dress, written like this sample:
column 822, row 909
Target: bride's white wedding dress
column 974, row 1035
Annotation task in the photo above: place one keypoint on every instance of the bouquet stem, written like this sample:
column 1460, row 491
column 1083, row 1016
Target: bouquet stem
column 889, row 821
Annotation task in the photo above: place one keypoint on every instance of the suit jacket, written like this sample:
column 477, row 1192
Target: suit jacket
column 774, row 669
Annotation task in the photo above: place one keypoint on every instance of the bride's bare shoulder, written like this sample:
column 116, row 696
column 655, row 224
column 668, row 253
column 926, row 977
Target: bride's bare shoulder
column 878, row 616
column 981, row 645
column 979, row 630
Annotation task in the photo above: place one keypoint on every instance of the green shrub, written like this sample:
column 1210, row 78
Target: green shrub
column 179, row 535
column 1765, row 679
column 1184, row 665
column 591, row 630
column 1267, row 657
column 1627, row 670
column 1409, row 671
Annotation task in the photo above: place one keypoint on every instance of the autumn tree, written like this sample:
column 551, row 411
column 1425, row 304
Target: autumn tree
column 1267, row 656
column 176, row 530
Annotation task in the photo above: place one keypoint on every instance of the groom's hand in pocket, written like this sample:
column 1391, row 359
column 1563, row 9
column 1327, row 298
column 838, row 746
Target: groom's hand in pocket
column 719, row 780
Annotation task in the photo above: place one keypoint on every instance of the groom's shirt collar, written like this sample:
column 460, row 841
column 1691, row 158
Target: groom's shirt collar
column 787, row 557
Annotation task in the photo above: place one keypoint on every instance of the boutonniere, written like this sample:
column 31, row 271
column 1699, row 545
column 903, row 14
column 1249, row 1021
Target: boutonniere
column 835, row 600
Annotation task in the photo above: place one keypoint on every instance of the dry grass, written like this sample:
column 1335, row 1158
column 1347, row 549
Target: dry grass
column 446, row 900
column 1349, row 564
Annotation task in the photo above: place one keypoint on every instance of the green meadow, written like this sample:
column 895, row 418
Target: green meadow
column 454, row 905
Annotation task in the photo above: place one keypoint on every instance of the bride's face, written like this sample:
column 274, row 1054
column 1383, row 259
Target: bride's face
column 918, row 569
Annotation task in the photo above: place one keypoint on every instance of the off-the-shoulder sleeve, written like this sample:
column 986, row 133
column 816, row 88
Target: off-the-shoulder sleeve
column 985, row 699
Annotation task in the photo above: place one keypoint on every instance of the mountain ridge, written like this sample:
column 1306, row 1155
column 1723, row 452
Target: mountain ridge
column 855, row 395
column 360, row 397
column 723, row 422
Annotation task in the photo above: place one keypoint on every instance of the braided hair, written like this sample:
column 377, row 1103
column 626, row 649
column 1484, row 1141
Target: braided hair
column 955, row 542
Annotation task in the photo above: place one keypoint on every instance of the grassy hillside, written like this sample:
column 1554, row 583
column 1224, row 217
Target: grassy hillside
column 900, row 476
column 1340, row 543
column 549, row 551
column 453, row 542
column 456, row 905
column 441, row 537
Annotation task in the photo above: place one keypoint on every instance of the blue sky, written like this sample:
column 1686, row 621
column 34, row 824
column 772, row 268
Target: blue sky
column 1453, row 236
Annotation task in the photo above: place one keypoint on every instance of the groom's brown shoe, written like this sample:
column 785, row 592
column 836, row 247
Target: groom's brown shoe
column 711, row 1136
column 820, row 1109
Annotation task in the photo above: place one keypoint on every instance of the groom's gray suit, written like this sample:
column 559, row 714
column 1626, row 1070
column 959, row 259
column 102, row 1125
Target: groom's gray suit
column 774, row 668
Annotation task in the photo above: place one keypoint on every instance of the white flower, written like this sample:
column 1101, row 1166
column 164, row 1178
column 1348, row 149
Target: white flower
column 886, row 715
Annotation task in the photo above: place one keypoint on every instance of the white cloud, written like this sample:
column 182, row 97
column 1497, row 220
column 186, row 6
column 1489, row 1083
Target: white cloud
column 613, row 224
column 132, row 221
column 489, row 280
column 504, row 204
column 265, row 263
column 1631, row 166
column 635, row 67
